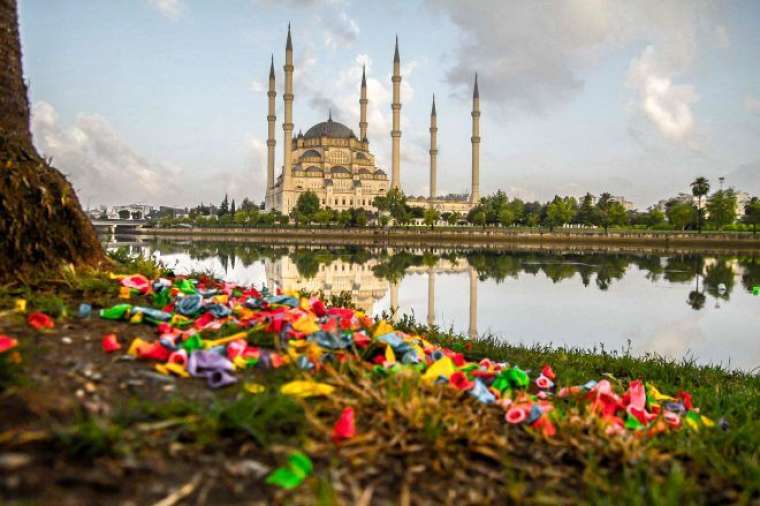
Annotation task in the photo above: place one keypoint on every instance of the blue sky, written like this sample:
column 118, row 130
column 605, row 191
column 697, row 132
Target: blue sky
column 163, row 101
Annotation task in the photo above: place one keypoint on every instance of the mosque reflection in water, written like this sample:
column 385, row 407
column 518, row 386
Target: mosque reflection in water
column 369, row 274
column 365, row 287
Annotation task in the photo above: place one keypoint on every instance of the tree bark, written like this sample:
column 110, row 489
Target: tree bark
column 42, row 225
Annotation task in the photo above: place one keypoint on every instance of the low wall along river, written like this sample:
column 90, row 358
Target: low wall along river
column 474, row 237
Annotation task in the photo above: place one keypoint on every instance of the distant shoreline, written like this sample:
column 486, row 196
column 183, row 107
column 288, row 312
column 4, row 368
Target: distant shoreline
column 473, row 237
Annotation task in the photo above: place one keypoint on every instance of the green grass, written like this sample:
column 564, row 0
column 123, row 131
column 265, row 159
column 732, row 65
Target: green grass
column 715, row 455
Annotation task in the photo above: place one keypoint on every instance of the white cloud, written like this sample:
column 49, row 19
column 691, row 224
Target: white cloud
column 665, row 104
column 105, row 169
column 100, row 164
column 752, row 104
column 171, row 9
column 256, row 86
column 535, row 55
column 340, row 30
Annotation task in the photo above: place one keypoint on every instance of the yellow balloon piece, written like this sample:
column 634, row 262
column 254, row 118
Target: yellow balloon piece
column 224, row 340
column 654, row 394
column 254, row 388
column 177, row 318
column 383, row 327
column 177, row 369
column 136, row 318
column 442, row 367
column 390, row 355
column 21, row 305
column 306, row 325
column 221, row 299
column 707, row 422
column 240, row 362
column 136, row 343
column 299, row 388
column 124, row 292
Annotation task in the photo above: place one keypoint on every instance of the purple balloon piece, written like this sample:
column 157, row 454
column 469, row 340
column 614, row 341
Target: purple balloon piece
column 202, row 363
column 220, row 378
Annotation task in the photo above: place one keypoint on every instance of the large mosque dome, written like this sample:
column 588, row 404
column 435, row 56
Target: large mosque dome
column 329, row 128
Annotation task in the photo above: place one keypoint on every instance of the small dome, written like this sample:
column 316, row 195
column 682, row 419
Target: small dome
column 329, row 128
column 380, row 172
column 314, row 170
column 311, row 153
column 340, row 170
column 361, row 156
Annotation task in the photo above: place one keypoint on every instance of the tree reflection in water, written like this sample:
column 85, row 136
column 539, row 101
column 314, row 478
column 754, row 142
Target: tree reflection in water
column 712, row 275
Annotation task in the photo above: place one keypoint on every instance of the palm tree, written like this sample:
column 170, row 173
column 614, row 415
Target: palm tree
column 699, row 188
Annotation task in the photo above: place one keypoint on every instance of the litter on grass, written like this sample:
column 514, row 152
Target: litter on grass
column 204, row 329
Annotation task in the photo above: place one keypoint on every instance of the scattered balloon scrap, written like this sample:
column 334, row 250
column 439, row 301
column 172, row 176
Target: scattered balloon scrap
column 40, row 321
column 299, row 468
column 345, row 427
column 7, row 343
column 307, row 334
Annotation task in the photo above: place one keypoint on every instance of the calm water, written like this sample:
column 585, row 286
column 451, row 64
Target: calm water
column 687, row 305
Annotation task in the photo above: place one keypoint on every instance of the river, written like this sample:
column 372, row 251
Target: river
column 688, row 305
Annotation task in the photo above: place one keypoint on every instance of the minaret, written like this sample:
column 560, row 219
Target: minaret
column 431, row 297
column 363, row 108
column 287, row 126
column 396, row 132
column 475, row 194
column 271, row 142
column 473, row 330
column 433, row 152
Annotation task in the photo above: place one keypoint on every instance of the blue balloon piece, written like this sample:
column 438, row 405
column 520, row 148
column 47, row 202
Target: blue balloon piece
column 481, row 392
column 189, row 305
column 535, row 414
column 85, row 310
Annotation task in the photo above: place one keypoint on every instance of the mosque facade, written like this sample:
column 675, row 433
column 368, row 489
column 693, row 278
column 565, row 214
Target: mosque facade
column 338, row 166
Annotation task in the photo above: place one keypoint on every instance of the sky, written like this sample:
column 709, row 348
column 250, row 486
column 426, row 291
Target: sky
column 164, row 101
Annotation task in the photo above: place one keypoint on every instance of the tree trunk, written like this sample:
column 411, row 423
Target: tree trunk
column 42, row 225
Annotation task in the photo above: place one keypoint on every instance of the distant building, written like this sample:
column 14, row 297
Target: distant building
column 337, row 165
column 627, row 204
column 742, row 199
column 130, row 212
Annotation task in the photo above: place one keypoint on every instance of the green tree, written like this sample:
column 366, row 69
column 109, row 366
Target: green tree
column 247, row 205
column 232, row 208
column 306, row 207
column 431, row 216
column 654, row 217
column 507, row 217
column 360, row 218
column 323, row 216
column 752, row 214
column 344, row 218
column 479, row 218
column 585, row 215
column 609, row 212
column 559, row 212
column 224, row 207
column 453, row 218
column 721, row 207
column 681, row 214
column 699, row 188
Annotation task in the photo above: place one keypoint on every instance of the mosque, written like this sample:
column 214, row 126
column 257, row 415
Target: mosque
column 337, row 165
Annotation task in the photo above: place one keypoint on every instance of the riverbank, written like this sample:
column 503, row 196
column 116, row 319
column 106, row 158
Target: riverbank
column 85, row 427
column 471, row 237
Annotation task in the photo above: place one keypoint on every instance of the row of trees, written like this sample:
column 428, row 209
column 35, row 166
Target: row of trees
column 716, row 210
column 497, row 209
